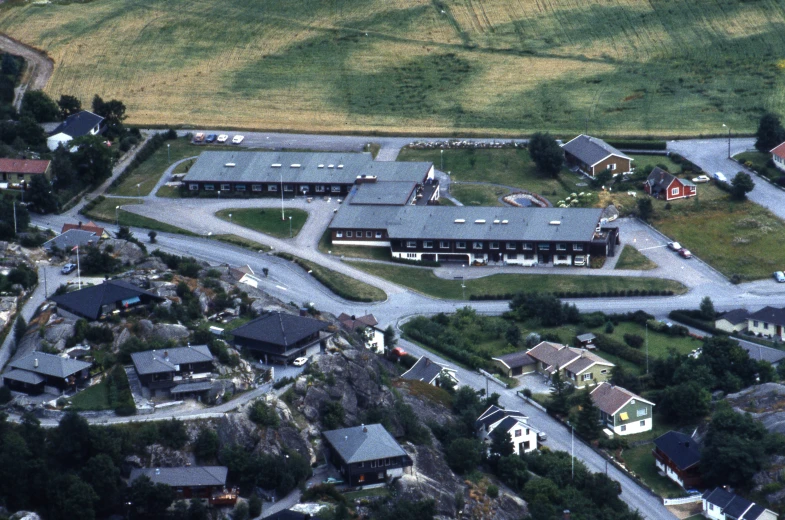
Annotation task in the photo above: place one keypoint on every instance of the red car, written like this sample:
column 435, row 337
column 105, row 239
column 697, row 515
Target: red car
column 685, row 253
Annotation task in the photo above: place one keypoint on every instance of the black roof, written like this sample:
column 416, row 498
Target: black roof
column 516, row 359
column 79, row 124
column 287, row 514
column 424, row 370
column 279, row 328
column 591, row 150
column 168, row 360
column 361, row 443
column 495, row 414
column 184, row 476
column 736, row 316
column 733, row 505
column 769, row 314
column 679, row 448
column 87, row 302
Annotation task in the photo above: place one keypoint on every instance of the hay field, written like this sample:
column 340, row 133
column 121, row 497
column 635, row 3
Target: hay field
column 620, row 67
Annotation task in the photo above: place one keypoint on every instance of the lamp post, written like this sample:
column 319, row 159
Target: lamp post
column 442, row 156
column 168, row 153
column 726, row 126
column 219, row 194
column 572, row 448
column 117, row 215
column 290, row 227
column 138, row 193
column 282, row 217
column 230, row 218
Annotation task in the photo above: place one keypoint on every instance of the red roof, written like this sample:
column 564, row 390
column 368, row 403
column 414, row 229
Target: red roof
column 90, row 226
column 779, row 151
column 26, row 166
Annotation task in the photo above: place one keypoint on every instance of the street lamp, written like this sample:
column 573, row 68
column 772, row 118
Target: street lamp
column 290, row 227
column 726, row 126
column 168, row 153
column 117, row 215
column 219, row 194
column 572, row 447
column 230, row 218
column 282, row 217
column 138, row 193
column 442, row 156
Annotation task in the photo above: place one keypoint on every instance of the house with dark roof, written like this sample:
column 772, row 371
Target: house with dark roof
column 778, row 156
column 206, row 482
column 96, row 301
column 76, row 125
column 281, row 337
column 70, row 239
column 621, row 411
column 244, row 274
column 585, row 341
column 733, row 321
column 22, row 171
column 90, row 226
column 40, row 372
column 179, row 371
column 372, row 335
column 515, row 363
column 678, row 457
column 592, row 156
column 578, row 366
column 663, row 185
column 367, row 455
column 720, row 504
column 769, row 322
column 288, row 514
column 497, row 421
column 429, row 372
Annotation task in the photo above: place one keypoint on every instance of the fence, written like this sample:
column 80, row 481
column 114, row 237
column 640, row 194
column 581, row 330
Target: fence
column 678, row 501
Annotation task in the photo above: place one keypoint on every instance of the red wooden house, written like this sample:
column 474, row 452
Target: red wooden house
column 663, row 185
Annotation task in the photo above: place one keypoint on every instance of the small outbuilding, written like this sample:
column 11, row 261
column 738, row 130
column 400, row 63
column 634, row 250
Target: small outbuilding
column 515, row 363
column 733, row 321
column 585, row 341
column 663, row 185
column 429, row 372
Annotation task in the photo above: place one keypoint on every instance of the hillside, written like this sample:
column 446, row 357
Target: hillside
column 666, row 67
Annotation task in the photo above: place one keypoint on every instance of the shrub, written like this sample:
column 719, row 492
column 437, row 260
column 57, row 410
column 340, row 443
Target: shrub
column 263, row 415
column 492, row 491
column 633, row 340
column 616, row 348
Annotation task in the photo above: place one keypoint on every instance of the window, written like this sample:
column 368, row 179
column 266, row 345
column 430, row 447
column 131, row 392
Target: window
column 378, row 234
column 586, row 377
column 288, row 187
column 239, row 187
column 460, row 245
column 754, row 323
column 528, row 257
column 526, row 445
column 494, row 245
column 386, row 462
column 339, row 234
column 641, row 411
column 256, row 187
column 335, row 189
column 577, row 247
column 380, row 476
column 369, row 234
column 603, row 371
column 561, row 247
column 561, row 258
column 319, row 189
column 428, row 244
column 359, row 233
column 518, row 433
column 211, row 187
column 612, row 166
column 361, row 478
column 476, row 245
column 512, row 256
column 272, row 187
column 444, row 244
column 624, row 416
column 349, row 234
column 643, row 423
column 193, row 187
column 624, row 427
column 674, row 191
column 411, row 255
column 544, row 247
column 226, row 187
column 411, row 243
column 510, row 246
column 527, row 246
column 373, row 463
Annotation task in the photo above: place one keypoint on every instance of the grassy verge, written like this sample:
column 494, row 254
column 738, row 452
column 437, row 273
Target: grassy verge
column 342, row 285
column 760, row 163
column 267, row 221
column 104, row 210
column 641, row 462
column 94, row 398
column 642, row 161
column 478, row 195
column 168, row 192
column 242, row 242
column 372, row 253
column 631, row 258
column 424, row 281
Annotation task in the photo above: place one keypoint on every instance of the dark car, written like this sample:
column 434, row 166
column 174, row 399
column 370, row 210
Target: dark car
column 211, row 138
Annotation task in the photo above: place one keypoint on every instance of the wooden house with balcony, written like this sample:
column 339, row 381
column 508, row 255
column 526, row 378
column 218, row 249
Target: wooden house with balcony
column 205, row 482
column 279, row 337
column 179, row 371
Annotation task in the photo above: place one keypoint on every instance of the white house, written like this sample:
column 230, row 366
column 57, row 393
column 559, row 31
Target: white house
column 76, row 125
column 778, row 156
column 495, row 419
column 719, row 504
column 621, row 411
column 429, row 372
column 372, row 335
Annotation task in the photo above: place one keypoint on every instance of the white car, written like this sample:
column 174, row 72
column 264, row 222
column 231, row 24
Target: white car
column 237, row 139
column 222, row 138
column 720, row 177
column 580, row 261
column 300, row 361
column 779, row 276
column 675, row 246
column 700, row 179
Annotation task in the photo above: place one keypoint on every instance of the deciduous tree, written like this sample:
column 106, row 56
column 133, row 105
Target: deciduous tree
column 741, row 185
column 69, row 105
column 770, row 132
column 546, row 153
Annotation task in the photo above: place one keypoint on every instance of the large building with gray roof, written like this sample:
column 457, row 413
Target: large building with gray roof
column 38, row 372
column 181, row 370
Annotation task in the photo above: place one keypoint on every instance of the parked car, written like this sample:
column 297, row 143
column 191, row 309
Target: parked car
column 675, row 246
column 580, row 261
column 210, row 138
column 198, row 138
column 222, row 138
column 720, row 177
column 700, row 179
column 237, row 139
column 779, row 276
column 68, row 268
column 332, row 480
column 685, row 253
column 542, row 436
column 300, row 361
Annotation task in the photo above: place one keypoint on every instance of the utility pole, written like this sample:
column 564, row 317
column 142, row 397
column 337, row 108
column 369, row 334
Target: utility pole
column 290, row 227
column 13, row 202
column 647, row 347
column 282, row 217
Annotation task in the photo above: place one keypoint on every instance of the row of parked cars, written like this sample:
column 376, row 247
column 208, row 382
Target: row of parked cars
column 217, row 138
column 683, row 251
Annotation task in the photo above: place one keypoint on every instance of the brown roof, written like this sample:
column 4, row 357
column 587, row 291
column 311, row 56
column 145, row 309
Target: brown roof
column 352, row 322
column 610, row 399
column 25, row 166
column 90, row 226
column 586, row 360
column 779, row 150
column 554, row 354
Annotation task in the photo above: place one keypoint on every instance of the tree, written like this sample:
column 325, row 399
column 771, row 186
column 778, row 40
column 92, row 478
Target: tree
column 63, row 171
column 446, row 383
column 69, row 105
column 113, row 112
column 38, row 105
column 501, row 443
column 559, row 390
column 546, row 153
column 602, row 178
column 513, row 471
column 707, row 309
column 464, row 455
column 20, row 327
column 71, row 441
column 389, row 337
column 151, row 235
column 149, row 500
column 70, row 497
column 685, row 402
column 513, row 335
column 731, row 365
column 92, row 159
column 104, row 477
column 332, row 414
column 733, row 450
column 770, row 133
column 206, row 445
column 645, row 208
column 29, row 131
column 197, row 510
column 254, row 505
column 264, row 415
column 588, row 420
column 741, row 185
column 41, row 196
column 240, row 511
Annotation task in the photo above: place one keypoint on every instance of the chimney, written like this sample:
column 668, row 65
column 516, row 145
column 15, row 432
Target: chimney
column 80, row 224
column 566, row 514
column 35, row 362
column 166, row 355
column 365, row 429
column 427, row 362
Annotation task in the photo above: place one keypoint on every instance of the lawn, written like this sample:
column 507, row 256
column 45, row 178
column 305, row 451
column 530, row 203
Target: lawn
column 477, row 195
column 642, row 161
column 640, row 460
column 241, row 241
column 105, row 211
column 424, row 281
column 618, row 67
column 371, row 253
column 760, row 163
column 267, row 221
column 631, row 258
column 95, row 397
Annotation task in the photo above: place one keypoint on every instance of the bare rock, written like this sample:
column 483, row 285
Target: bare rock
column 169, row 331
column 145, row 328
column 163, row 457
column 120, row 338
column 152, row 263
column 237, row 429
column 25, row 515
column 126, row 252
column 765, row 402
column 430, row 477
column 163, row 289
column 57, row 332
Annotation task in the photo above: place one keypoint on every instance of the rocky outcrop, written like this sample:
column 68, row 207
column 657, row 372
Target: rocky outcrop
column 162, row 457
column 25, row 515
column 430, row 477
column 765, row 402
column 57, row 334
column 162, row 331
column 127, row 252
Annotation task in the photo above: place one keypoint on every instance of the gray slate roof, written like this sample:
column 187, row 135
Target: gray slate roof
column 733, row 505
column 424, row 370
column 49, row 364
column 187, row 388
column 735, row 316
column 73, row 237
column 87, row 302
column 358, row 445
column 761, row 353
column 24, row 376
column 591, row 150
column 186, row 476
column 586, row 337
column 439, row 222
column 393, row 193
column 78, row 124
column 771, row 315
column 516, row 359
column 312, row 167
column 279, row 328
column 159, row 361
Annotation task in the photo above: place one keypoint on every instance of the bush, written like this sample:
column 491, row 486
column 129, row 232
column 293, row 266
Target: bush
column 633, row 340
column 5, row 394
column 282, row 382
column 492, row 491
column 616, row 348
column 263, row 415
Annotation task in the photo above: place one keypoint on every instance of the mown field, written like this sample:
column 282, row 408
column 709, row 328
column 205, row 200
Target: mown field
column 419, row 66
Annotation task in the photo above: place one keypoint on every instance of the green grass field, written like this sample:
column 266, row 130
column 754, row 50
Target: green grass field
column 478, row 195
column 267, row 221
column 95, row 397
column 621, row 67
column 631, row 258
column 640, row 460
column 149, row 172
column 424, row 281
column 642, row 161
column 106, row 211
column 340, row 284
column 760, row 163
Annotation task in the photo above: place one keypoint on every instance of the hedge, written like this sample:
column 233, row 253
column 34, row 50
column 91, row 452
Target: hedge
column 683, row 316
column 611, row 346
column 634, row 144
column 327, row 282
column 582, row 294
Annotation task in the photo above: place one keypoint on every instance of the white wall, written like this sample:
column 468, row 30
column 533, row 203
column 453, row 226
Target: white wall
column 366, row 243
column 521, row 260
column 634, row 427
column 374, row 340
column 779, row 163
column 710, row 511
column 566, row 259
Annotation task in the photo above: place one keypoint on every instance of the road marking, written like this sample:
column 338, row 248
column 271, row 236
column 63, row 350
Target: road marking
column 653, row 247
column 282, row 288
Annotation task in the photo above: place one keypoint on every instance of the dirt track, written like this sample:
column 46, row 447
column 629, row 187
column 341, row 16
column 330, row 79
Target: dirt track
column 39, row 66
